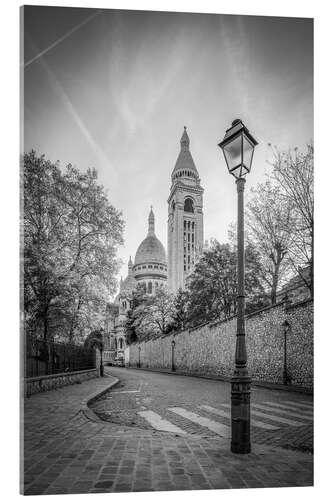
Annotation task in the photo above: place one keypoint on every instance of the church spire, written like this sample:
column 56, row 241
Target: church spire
column 185, row 168
column 130, row 265
column 185, row 141
column 151, row 222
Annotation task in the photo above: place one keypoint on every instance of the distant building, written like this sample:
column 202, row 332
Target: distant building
column 150, row 271
column 151, row 268
column 185, row 217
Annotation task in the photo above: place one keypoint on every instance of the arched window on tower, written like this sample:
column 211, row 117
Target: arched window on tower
column 188, row 205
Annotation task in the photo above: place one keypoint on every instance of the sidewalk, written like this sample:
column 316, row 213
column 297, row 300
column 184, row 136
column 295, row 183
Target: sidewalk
column 67, row 450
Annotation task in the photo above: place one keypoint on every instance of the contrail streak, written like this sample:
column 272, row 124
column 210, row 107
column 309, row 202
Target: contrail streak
column 61, row 39
column 63, row 96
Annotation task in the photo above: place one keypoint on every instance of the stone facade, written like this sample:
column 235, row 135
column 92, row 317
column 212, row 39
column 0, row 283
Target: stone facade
column 210, row 349
column 150, row 271
column 185, row 218
column 150, row 265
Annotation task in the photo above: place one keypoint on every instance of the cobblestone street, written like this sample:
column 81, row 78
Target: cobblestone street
column 281, row 421
column 68, row 449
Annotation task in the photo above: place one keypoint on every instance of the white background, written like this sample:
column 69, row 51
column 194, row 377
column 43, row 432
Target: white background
column 9, row 197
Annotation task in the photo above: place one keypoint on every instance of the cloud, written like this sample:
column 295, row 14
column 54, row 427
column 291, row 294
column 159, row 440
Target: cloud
column 234, row 43
column 135, row 95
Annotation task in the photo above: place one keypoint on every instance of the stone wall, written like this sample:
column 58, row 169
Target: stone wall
column 49, row 382
column 210, row 349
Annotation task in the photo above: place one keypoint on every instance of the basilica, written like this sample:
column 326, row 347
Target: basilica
column 153, row 267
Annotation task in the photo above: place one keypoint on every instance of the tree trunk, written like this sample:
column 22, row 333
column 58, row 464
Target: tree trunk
column 311, row 265
column 275, row 281
column 48, row 367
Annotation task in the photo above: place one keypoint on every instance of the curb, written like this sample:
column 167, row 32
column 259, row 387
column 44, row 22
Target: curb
column 84, row 407
column 267, row 385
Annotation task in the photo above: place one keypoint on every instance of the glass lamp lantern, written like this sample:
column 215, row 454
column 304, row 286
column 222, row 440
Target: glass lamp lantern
column 238, row 147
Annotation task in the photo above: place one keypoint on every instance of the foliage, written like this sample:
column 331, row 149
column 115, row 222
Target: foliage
column 180, row 310
column 133, row 315
column 211, row 294
column 95, row 339
column 212, row 288
column 71, row 235
column 150, row 315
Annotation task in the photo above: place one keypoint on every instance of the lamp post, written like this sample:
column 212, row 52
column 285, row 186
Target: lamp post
column 238, row 147
column 286, row 328
column 173, row 343
column 139, row 364
column 101, row 368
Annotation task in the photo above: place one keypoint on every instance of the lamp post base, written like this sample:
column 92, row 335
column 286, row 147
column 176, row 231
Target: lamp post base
column 240, row 412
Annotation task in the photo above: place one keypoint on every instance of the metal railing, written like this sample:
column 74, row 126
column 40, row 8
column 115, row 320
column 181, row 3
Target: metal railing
column 48, row 357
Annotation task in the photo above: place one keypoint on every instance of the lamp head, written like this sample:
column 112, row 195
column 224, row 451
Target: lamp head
column 238, row 148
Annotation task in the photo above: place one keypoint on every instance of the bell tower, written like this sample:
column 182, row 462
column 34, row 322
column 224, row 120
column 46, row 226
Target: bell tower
column 185, row 217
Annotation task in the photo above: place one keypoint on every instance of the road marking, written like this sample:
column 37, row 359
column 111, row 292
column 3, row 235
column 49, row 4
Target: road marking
column 304, row 405
column 291, row 413
column 289, row 407
column 254, row 422
column 212, row 425
column 275, row 418
column 160, row 423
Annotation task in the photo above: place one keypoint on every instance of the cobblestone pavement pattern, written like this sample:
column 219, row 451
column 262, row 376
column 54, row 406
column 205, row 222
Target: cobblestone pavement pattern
column 141, row 390
column 65, row 451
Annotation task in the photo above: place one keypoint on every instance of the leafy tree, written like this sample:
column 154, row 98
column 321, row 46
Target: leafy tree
column 269, row 220
column 71, row 236
column 134, row 314
column 293, row 172
column 96, row 340
column 212, row 287
column 161, row 311
column 150, row 315
column 44, row 233
column 180, row 310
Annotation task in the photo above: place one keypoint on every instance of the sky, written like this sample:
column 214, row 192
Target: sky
column 113, row 90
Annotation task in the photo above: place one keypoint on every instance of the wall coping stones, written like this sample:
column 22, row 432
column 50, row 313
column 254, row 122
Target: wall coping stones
column 299, row 304
column 34, row 385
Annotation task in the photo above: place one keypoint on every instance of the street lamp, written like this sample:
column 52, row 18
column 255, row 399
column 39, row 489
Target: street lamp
column 139, row 364
column 173, row 343
column 238, row 147
column 286, row 329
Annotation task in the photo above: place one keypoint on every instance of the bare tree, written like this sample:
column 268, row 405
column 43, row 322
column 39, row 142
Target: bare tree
column 293, row 172
column 269, row 220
